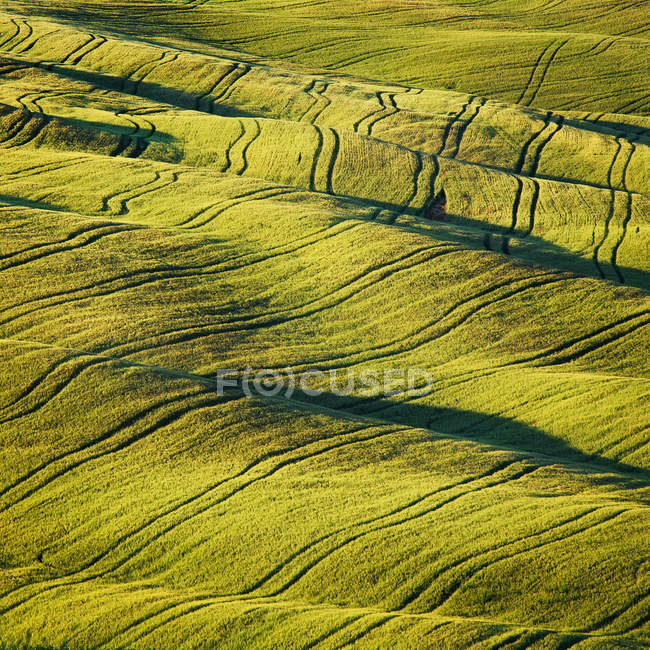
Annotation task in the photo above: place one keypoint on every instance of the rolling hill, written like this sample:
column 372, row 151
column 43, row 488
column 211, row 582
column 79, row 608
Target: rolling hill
column 331, row 190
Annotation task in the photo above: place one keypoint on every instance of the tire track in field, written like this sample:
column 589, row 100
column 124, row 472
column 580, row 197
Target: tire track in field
column 25, row 127
column 42, row 168
column 332, row 632
column 11, row 36
column 608, row 219
column 530, row 155
column 516, row 203
column 616, row 8
column 404, row 344
column 385, row 618
column 191, row 609
column 454, row 121
column 29, row 101
column 184, row 401
column 89, row 38
column 462, row 126
column 448, row 592
column 87, row 238
column 367, row 280
column 22, row 37
column 34, row 41
column 630, row 141
column 585, row 338
column 316, row 90
column 334, row 152
column 229, row 85
column 204, row 507
column 130, row 79
column 532, row 208
column 168, row 57
column 628, row 451
column 545, row 72
column 205, row 97
column 141, row 132
column 118, row 202
column 55, row 392
column 499, row 467
column 245, row 143
column 328, row 553
column 322, row 169
column 554, row 128
column 358, row 58
column 227, row 205
column 286, row 456
column 232, row 144
column 422, row 335
column 317, row 152
column 165, row 272
column 621, row 237
column 111, row 642
column 610, row 618
column 69, row 237
column 388, row 108
column 95, row 43
column 237, row 198
column 536, row 66
column 224, row 84
column 640, row 621
column 36, row 383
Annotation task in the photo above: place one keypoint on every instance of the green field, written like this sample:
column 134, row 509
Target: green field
column 460, row 188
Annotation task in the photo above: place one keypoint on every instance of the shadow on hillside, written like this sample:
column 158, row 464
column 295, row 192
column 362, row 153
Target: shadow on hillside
column 18, row 202
column 173, row 97
column 629, row 131
column 491, row 429
column 483, row 236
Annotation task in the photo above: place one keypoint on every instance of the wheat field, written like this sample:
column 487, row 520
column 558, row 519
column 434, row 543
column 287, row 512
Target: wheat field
column 338, row 189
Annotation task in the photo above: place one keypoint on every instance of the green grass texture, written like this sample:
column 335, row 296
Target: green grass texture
column 456, row 187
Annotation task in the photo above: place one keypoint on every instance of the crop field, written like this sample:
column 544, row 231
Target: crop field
column 335, row 189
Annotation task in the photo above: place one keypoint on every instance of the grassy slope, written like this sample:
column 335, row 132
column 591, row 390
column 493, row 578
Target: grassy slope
column 168, row 213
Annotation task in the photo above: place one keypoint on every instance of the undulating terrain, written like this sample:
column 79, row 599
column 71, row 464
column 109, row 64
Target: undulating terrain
column 349, row 187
